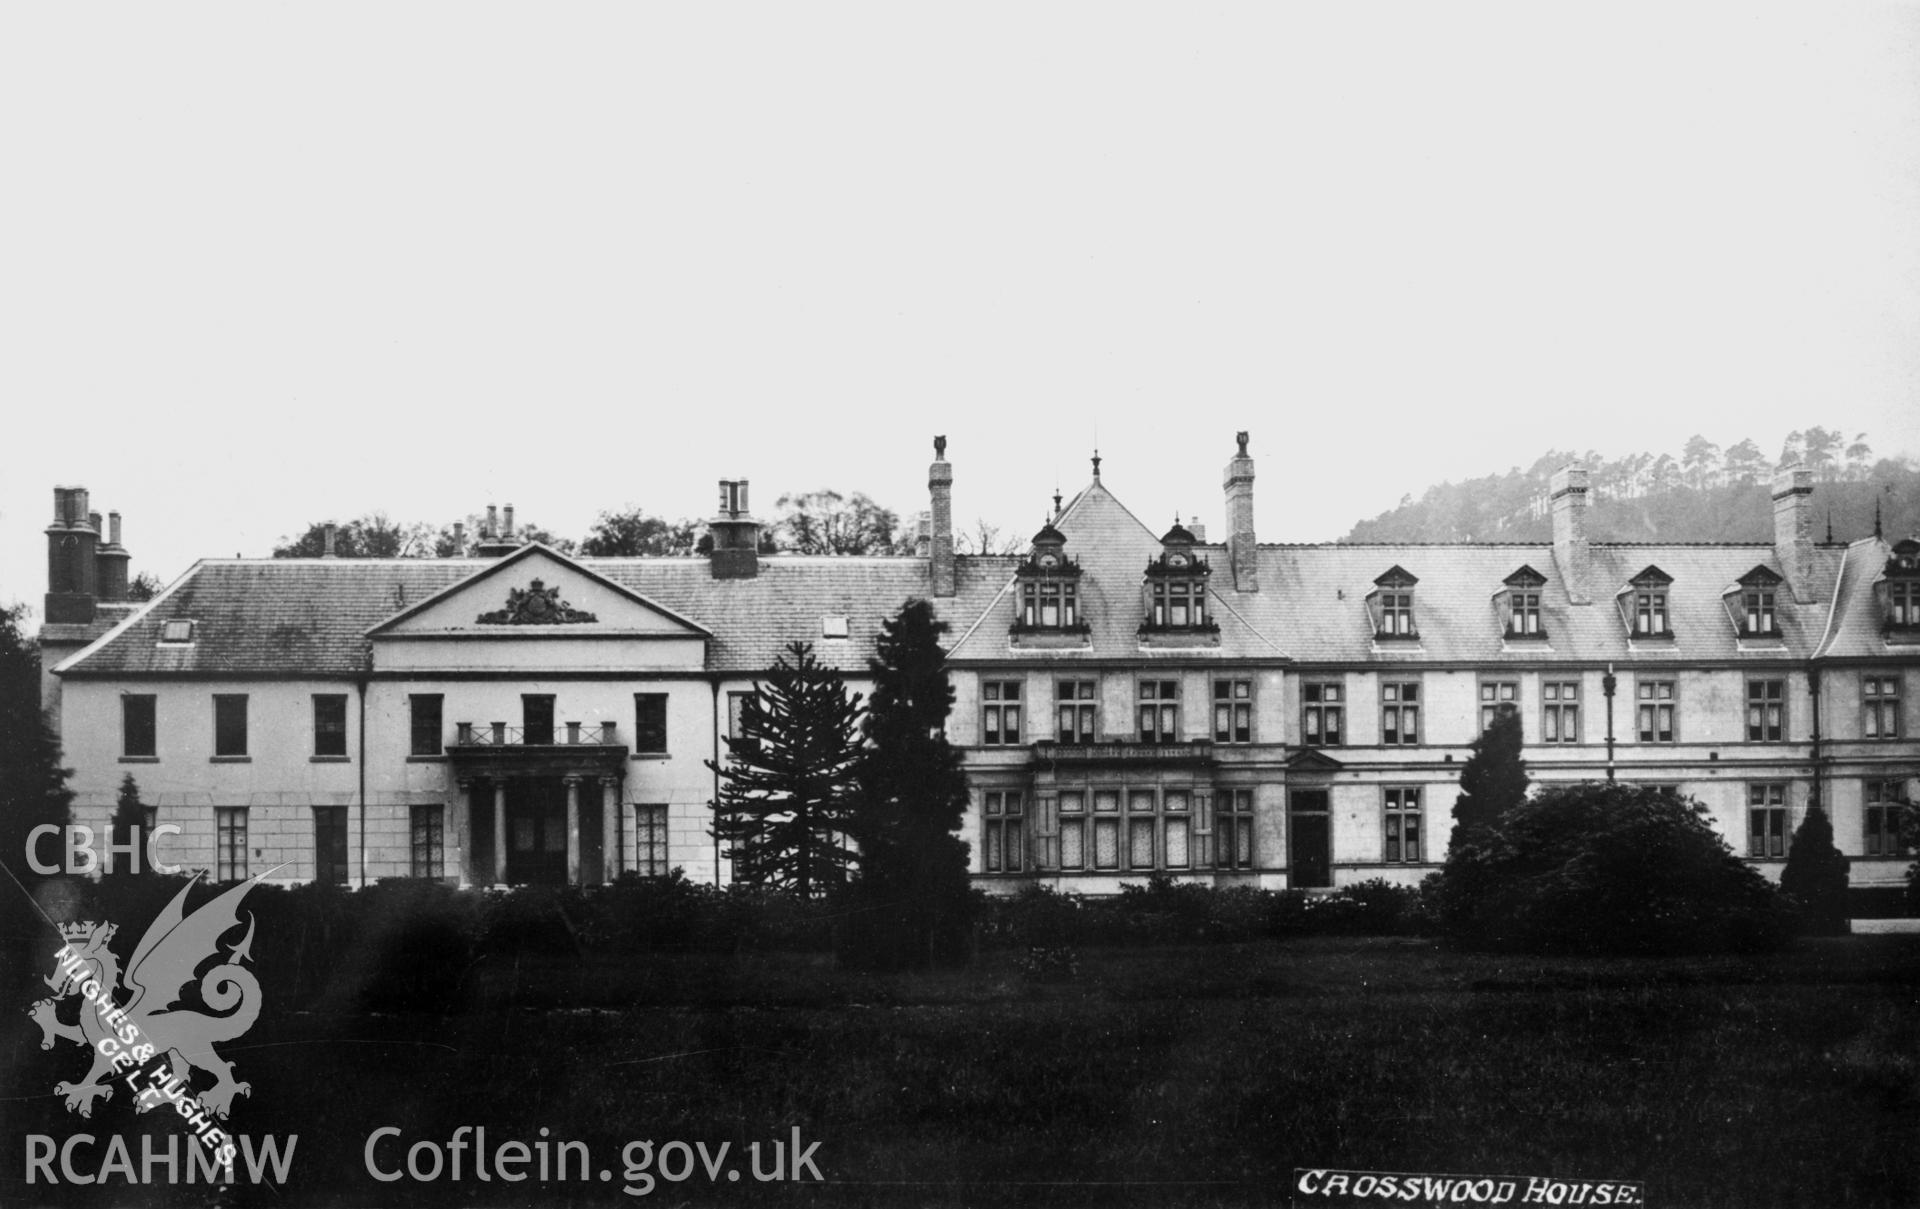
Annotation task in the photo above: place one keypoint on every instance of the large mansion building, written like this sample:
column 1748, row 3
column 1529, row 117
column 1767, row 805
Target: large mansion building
column 1129, row 700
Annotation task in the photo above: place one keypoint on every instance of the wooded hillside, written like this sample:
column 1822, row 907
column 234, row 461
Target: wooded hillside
column 1702, row 494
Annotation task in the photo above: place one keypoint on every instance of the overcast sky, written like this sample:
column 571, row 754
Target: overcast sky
column 266, row 264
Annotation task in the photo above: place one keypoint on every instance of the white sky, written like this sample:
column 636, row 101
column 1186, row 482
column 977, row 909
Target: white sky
column 265, row 264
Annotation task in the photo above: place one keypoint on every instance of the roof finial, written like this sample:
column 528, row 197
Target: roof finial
column 1056, row 502
column 1876, row 518
column 1096, row 461
column 1829, row 524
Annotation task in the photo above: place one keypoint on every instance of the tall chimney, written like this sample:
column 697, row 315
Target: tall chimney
column 940, row 485
column 493, row 543
column 509, row 533
column 459, row 539
column 326, row 540
column 1571, row 553
column 110, row 561
column 1242, row 551
column 73, row 573
column 735, row 534
column 1793, row 529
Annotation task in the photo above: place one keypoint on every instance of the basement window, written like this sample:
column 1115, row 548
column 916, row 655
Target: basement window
column 176, row 631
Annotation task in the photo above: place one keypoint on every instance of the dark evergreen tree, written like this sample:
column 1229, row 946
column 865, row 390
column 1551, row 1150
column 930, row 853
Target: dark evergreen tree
column 33, row 792
column 1494, row 779
column 787, row 788
column 912, row 906
column 129, row 820
column 1815, row 876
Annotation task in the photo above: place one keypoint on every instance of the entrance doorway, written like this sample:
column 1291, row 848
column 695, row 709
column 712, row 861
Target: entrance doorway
column 1309, row 840
column 536, row 830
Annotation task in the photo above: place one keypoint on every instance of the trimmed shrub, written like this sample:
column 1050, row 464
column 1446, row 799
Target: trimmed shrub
column 1606, row 868
column 1815, row 877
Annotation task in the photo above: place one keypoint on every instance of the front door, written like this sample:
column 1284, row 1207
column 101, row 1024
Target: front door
column 537, row 830
column 1309, row 832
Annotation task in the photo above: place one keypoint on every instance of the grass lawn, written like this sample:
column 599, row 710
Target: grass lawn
column 1191, row 1076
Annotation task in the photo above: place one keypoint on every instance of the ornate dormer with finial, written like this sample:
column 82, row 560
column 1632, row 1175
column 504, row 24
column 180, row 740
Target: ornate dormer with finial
column 1174, row 593
column 1046, row 594
column 1898, row 593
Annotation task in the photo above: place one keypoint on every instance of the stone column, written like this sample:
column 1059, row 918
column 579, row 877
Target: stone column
column 611, row 850
column 500, row 832
column 573, row 831
column 463, row 830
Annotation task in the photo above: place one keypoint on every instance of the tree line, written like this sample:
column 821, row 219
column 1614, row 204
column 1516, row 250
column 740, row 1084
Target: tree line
column 1701, row 493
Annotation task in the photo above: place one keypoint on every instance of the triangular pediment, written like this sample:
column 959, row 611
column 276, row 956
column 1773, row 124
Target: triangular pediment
column 1312, row 759
column 534, row 592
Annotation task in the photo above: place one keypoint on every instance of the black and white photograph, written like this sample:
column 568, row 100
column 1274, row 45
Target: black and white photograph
column 850, row 604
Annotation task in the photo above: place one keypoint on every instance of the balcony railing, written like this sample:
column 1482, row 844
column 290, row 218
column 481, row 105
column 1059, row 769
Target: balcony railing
column 1123, row 752
column 561, row 734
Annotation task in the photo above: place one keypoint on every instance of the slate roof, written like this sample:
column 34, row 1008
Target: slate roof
column 309, row 617
column 1311, row 605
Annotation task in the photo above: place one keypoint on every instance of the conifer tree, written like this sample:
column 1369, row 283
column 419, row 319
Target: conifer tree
column 33, row 791
column 1815, row 876
column 130, row 821
column 786, row 797
column 1494, row 779
column 912, row 901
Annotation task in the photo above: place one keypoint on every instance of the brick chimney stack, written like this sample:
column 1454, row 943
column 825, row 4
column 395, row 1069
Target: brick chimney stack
column 327, row 537
column 110, row 560
column 940, row 486
column 1242, row 551
column 1793, row 529
column 736, row 535
column 73, row 570
column 1571, row 553
column 493, row 543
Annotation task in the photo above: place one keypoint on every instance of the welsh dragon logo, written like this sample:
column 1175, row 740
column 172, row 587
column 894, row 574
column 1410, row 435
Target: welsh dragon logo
column 163, row 967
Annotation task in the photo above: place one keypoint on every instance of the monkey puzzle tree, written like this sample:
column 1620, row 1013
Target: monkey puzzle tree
column 787, row 789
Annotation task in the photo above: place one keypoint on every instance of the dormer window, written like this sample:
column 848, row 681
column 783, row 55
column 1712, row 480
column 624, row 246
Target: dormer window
column 1643, row 604
column 1176, row 586
column 1391, row 603
column 1899, row 592
column 1519, row 603
column 1047, row 588
column 1752, row 601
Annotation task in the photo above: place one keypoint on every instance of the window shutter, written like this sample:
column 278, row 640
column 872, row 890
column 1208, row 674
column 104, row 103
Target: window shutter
column 1201, row 856
column 1046, row 833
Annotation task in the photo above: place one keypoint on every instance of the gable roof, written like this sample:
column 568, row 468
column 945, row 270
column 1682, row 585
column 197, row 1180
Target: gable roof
column 511, row 565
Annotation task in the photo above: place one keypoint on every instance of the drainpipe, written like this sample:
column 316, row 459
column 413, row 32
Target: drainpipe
column 1607, row 684
column 1813, row 687
column 715, row 831
column 360, row 686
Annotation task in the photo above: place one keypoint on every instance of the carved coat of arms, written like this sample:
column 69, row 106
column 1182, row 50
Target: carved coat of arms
column 535, row 604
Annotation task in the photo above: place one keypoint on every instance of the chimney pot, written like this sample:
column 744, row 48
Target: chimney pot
column 326, row 541
column 113, row 527
column 509, row 533
column 493, row 522
column 459, row 538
